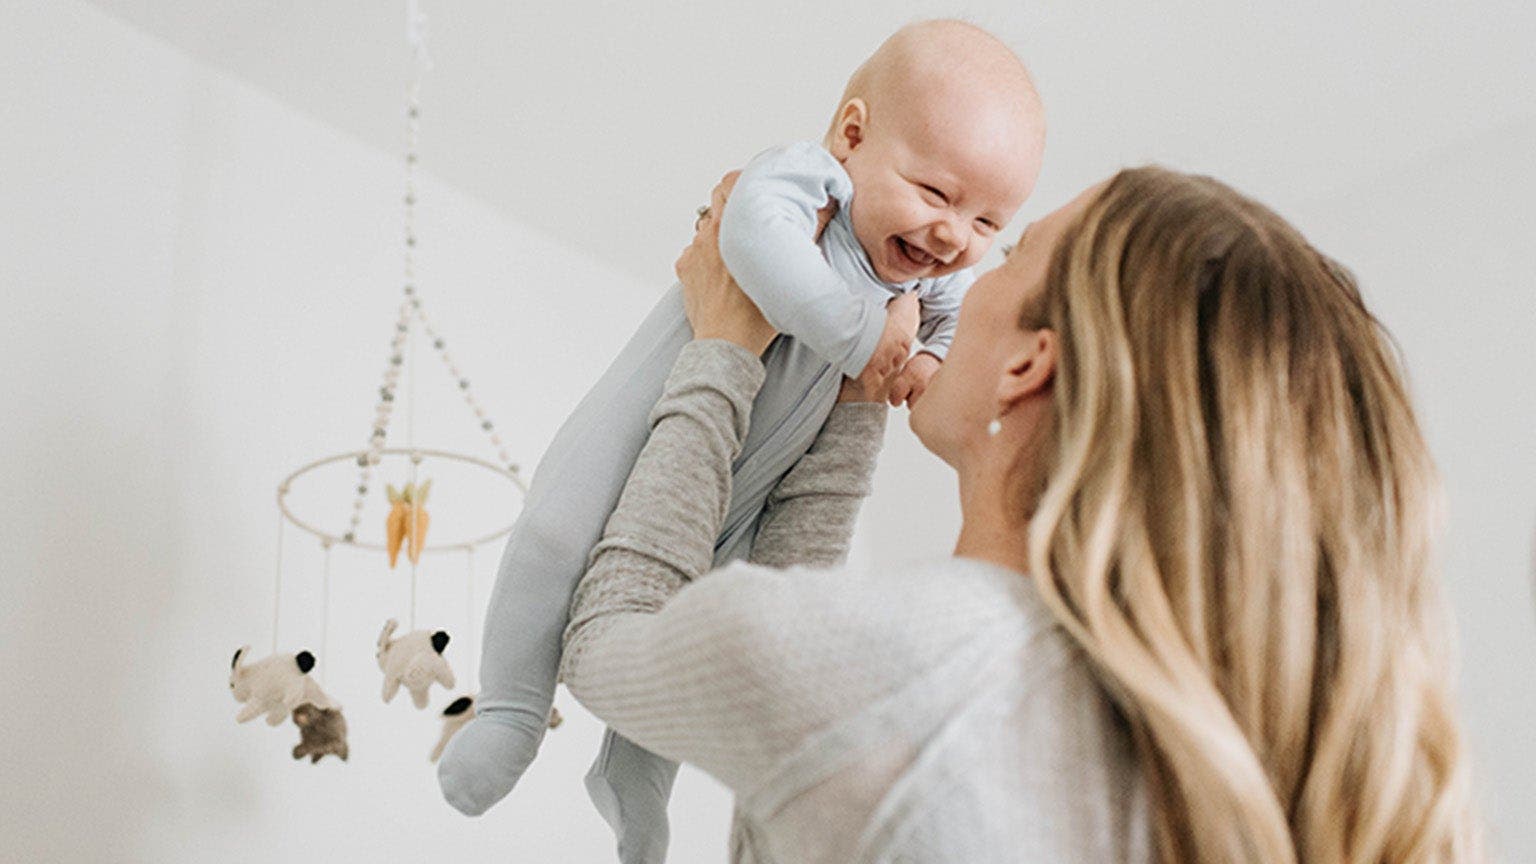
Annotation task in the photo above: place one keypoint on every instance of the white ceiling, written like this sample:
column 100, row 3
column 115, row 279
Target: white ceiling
column 606, row 123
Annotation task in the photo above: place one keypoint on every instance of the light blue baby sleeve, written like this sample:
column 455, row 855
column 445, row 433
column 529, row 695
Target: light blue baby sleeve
column 941, row 309
column 767, row 240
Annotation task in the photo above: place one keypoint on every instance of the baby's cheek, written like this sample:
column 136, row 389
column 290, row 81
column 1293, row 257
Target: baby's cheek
column 974, row 252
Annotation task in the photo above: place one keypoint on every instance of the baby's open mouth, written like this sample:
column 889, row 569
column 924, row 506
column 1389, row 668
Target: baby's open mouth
column 913, row 255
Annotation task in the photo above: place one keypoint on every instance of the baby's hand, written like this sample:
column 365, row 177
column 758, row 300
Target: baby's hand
column 913, row 379
column 901, row 320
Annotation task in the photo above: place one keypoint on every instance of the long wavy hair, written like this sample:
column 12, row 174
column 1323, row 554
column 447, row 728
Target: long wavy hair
column 1239, row 526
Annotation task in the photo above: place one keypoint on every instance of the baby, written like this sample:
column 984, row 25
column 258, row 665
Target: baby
column 934, row 147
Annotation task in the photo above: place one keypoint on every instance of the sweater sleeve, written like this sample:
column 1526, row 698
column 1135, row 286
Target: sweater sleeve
column 808, row 517
column 661, row 534
column 767, row 240
column 697, row 677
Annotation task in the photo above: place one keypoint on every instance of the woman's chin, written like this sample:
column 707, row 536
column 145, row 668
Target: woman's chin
column 924, row 429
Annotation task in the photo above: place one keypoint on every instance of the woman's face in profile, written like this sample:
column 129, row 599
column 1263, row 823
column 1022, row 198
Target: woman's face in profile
column 951, row 417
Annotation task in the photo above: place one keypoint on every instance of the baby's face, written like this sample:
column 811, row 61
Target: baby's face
column 934, row 187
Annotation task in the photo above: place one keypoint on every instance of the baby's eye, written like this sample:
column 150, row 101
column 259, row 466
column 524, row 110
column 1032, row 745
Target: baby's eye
column 943, row 199
column 987, row 226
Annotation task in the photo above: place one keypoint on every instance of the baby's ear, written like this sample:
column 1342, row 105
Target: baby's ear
column 849, row 128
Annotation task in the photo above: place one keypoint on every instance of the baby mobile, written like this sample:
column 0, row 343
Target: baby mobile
column 279, row 686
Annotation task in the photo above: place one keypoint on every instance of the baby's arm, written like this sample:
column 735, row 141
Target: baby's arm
column 940, row 311
column 768, row 242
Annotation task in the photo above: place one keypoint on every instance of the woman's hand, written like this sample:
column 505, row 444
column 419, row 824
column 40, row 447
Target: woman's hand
column 716, row 306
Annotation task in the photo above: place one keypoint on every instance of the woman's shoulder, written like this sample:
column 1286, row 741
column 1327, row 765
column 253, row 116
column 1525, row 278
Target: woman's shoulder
column 884, row 623
column 960, row 585
column 940, row 589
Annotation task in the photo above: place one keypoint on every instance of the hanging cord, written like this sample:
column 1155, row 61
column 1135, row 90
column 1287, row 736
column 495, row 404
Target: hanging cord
column 410, row 437
column 325, row 615
column 415, row 33
column 417, row 36
column 469, row 615
column 277, row 588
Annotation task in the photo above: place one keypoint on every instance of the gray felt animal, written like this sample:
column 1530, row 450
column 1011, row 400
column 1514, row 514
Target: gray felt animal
column 414, row 660
column 322, row 732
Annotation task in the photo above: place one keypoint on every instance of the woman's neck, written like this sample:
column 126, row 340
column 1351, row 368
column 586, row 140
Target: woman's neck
column 989, row 530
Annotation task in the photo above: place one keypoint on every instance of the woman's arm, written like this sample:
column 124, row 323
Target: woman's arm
column 662, row 533
column 808, row 517
column 684, row 676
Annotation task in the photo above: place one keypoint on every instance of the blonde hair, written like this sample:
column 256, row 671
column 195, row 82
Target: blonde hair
column 1238, row 527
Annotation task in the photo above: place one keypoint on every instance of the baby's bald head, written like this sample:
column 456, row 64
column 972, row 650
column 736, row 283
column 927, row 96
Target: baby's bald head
column 942, row 73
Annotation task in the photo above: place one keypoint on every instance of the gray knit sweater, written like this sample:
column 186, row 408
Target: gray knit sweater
column 935, row 714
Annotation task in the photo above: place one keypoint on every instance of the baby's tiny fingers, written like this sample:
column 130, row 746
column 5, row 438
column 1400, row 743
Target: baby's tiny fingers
column 916, row 394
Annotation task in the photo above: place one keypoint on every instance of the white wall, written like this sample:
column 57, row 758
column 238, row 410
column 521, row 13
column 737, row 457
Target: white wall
column 201, row 286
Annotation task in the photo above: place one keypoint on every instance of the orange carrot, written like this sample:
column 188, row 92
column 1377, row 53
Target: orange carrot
column 394, row 523
column 419, row 521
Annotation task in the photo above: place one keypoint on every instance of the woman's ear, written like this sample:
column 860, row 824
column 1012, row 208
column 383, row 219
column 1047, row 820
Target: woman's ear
column 1029, row 371
column 848, row 129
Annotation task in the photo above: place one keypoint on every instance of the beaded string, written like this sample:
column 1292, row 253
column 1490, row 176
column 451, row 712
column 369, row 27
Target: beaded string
column 411, row 305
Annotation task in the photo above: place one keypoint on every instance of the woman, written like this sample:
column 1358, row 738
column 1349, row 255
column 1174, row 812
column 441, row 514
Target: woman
column 1191, row 615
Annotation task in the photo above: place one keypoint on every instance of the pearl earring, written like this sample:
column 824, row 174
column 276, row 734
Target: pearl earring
column 994, row 427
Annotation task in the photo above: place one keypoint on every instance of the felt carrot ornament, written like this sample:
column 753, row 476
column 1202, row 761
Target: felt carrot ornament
column 394, row 523
column 417, row 520
column 407, row 521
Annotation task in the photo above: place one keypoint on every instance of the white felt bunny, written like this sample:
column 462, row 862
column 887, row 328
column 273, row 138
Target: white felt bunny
column 274, row 685
column 458, row 714
column 455, row 717
column 414, row 660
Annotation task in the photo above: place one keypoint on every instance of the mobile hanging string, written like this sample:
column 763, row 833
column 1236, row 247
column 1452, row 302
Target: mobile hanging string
column 277, row 589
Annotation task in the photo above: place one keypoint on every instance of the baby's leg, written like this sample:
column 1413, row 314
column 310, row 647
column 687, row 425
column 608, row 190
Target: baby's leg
column 574, row 490
column 628, row 784
column 630, row 787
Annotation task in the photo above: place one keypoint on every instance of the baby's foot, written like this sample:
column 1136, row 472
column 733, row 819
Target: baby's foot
column 485, row 759
column 630, row 787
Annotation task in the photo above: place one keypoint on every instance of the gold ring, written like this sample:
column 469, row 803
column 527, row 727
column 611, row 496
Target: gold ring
column 703, row 213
